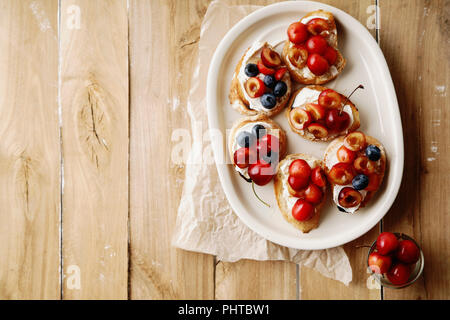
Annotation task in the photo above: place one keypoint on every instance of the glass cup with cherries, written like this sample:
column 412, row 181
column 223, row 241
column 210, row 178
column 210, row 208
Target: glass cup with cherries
column 395, row 260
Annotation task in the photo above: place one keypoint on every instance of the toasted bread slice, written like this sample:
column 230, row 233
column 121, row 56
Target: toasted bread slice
column 237, row 96
column 308, row 135
column 272, row 128
column 304, row 75
column 380, row 170
column 285, row 200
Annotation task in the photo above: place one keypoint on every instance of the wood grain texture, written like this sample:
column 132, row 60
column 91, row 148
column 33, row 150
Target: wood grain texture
column 94, row 101
column 419, row 64
column 312, row 284
column 163, row 35
column 250, row 280
column 29, row 151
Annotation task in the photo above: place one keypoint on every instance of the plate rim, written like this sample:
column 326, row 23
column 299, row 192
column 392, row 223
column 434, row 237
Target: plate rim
column 213, row 122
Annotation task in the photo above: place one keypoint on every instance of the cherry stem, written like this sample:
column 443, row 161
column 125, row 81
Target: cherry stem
column 256, row 195
column 348, row 97
column 362, row 246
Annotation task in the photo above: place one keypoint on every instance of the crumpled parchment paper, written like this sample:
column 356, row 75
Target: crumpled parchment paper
column 205, row 221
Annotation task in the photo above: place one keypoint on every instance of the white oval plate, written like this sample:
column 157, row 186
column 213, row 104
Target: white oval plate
column 378, row 109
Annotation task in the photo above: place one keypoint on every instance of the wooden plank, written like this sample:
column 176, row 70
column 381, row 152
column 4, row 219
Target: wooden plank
column 312, row 284
column 94, row 100
column 419, row 65
column 162, row 55
column 249, row 279
column 30, row 151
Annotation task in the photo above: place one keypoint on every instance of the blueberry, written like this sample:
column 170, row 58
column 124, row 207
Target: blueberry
column 246, row 139
column 259, row 131
column 270, row 81
column 268, row 100
column 373, row 152
column 251, row 70
column 341, row 209
column 361, row 181
column 270, row 157
column 280, row 89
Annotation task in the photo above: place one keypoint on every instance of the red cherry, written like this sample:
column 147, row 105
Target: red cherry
column 261, row 173
column 313, row 194
column 407, row 252
column 378, row 263
column 298, row 55
column 254, row 87
column 318, row 130
column 317, row 177
column 355, row 141
column 345, row 155
column 265, row 70
column 268, row 143
column 349, row 197
column 270, row 58
column 302, row 210
column 243, row 157
column 298, row 183
column 316, row 44
column 374, row 182
column 317, row 64
column 316, row 110
column 297, row 32
column 399, row 274
column 329, row 98
column 341, row 174
column 317, row 26
column 330, row 54
column 386, row 243
column 336, row 121
column 300, row 168
column 280, row 73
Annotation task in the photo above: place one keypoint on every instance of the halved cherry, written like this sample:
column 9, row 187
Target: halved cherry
column 349, row 197
column 317, row 177
column 299, row 194
column 317, row 64
column 300, row 118
column 355, row 141
column 254, row 87
column 345, row 155
column 330, row 99
column 313, row 194
column 316, row 44
column 265, row 70
column 374, row 182
column 298, row 56
column 243, row 157
column 299, row 168
column 331, row 55
column 280, row 73
column 316, row 110
column 318, row 130
column 341, row 174
column 270, row 58
column 297, row 32
column 302, row 210
column 298, row 183
column 364, row 165
column 317, row 26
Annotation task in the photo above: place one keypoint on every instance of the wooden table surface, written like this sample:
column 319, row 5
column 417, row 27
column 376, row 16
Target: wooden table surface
column 88, row 196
